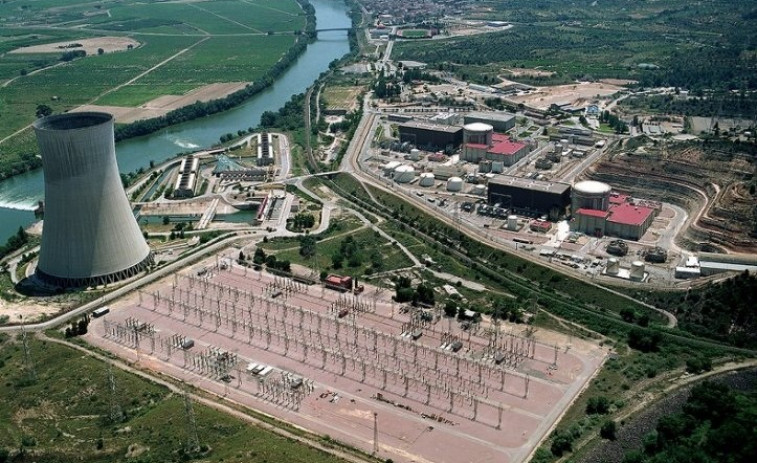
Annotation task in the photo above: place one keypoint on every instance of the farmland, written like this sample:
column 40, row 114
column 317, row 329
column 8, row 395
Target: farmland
column 179, row 47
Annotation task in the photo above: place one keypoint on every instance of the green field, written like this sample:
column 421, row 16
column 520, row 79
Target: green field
column 414, row 33
column 64, row 416
column 182, row 46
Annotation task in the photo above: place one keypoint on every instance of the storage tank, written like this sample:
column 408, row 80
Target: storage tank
column 415, row 154
column 590, row 195
column 512, row 222
column 427, row 179
column 390, row 166
column 404, row 174
column 454, row 184
column 613, row 266
column 479, row 190
column 637, row 270
column 90, row 236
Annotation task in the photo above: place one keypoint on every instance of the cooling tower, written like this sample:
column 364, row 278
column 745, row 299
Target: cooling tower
column 90, row 236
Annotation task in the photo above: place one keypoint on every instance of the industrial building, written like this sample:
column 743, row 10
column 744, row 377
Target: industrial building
column 480, row 142
column 228, row 169
column 90, row 236
column 711, row 263
column 597, row 212
column 500, row 121
column 187, row 178
column 265, row 149
column 530, row 197
column 431, row 137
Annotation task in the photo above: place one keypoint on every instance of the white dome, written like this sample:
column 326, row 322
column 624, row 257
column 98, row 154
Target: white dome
column 454, row 184
column 478, row 127
column 427, row 179
column 402, row 169
column 592, row 187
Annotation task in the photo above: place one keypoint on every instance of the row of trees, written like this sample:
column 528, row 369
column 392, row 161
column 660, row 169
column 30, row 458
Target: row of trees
column 404, row 291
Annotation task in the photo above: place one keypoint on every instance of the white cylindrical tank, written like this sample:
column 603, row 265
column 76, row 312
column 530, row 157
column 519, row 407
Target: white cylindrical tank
column 404, row 174
column 427, row 179
column 613, row 266
column 590, row 195
column 479, row 190
column 454, row 184
column 512, row 222
column 415, row 154
column 90, row 236
column 390, row 166
column 637, row 270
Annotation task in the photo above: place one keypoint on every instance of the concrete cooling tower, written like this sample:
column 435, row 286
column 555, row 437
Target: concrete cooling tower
column 90, row 236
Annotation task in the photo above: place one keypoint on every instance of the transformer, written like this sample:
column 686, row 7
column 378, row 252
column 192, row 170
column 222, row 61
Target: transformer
column 90, row 236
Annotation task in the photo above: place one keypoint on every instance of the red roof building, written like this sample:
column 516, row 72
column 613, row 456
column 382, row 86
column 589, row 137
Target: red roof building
column 623, row 219
column 502, row 149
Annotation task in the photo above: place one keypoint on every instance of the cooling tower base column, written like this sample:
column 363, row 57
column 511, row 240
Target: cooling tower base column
column 102, row 280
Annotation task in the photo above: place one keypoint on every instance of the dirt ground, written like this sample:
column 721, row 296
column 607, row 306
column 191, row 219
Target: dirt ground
column 432, row 405
column 108, row 44
column 164, row 104
column 528, row 72
column 30, row 312
column 573, row 94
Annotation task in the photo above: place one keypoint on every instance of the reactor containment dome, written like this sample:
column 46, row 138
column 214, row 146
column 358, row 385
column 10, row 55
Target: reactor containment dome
column 90, row 236
column 590, row 194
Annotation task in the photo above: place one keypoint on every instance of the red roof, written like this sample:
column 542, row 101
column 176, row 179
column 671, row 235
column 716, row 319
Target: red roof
column 628, row 214
column 592, row 213
column 617, row 198
column 503, row 145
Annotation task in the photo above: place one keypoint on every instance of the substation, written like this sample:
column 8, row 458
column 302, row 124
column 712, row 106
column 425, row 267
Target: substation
column 362, row 369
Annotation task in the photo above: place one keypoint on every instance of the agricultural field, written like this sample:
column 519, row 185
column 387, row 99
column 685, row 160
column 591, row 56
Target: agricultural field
column 64, row 415
column 173, row 48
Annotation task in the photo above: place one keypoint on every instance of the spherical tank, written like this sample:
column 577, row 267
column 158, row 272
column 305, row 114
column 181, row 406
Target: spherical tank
column 478, row 133
column 427, row 179
column 590, row 195
column 454, row 184
column 404, row 174
column 90, row 235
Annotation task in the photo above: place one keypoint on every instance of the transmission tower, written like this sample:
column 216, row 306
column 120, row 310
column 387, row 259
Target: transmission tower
column 115, row 411
column 193, row 440
column 28, row 365
column 375, row 433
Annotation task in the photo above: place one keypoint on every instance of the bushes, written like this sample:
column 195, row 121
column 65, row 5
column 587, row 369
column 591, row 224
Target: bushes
column 599, row 405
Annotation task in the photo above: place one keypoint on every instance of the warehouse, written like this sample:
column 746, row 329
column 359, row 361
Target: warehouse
column 712, row 263
column 530, row 197
column 431, row 137
column 500, row 121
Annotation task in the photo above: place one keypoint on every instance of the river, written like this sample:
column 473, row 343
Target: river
column 20, row 194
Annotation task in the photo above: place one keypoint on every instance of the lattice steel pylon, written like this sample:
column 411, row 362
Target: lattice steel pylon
column 28, row 364
column 115, row 410
column 193, row 439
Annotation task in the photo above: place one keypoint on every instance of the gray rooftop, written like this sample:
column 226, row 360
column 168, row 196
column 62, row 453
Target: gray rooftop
column 430, row 126
column 491, row 116
column 529, row 184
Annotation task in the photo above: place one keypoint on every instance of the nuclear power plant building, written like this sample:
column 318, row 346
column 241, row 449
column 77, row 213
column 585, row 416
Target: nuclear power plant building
column 90, row 236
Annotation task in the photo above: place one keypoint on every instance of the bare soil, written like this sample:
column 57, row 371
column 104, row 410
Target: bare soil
column 574, row 94
column 108, row 45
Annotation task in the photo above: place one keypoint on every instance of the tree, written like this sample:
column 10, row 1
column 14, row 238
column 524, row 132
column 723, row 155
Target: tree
column 259, row 257
column 307, row 246
column 43, row 110
column 608, row 430
column 166, row 220
column 100, row 51
column 599, row 405
column 450, row 309
column 628, row 315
